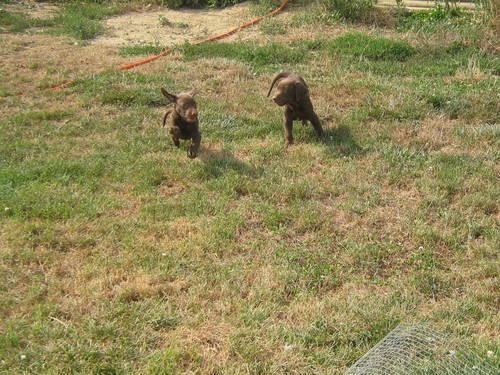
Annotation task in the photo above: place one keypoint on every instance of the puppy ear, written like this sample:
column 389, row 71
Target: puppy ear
column 171, row 98
column 300, row 92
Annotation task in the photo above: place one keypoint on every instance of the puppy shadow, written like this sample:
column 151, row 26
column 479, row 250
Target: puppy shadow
column 339, row 140
column 218, row 161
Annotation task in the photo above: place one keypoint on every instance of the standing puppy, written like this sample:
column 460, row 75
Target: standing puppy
column 293, row 93
column 183, row 123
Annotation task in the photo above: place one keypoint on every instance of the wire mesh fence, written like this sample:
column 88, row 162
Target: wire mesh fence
column 417, row 349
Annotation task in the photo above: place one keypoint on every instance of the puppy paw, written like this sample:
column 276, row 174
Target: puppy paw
column 191, row 154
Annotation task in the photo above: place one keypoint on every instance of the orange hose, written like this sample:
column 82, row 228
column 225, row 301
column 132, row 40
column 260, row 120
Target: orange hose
column 167, row 51
column 147, row 60
column 62, row 84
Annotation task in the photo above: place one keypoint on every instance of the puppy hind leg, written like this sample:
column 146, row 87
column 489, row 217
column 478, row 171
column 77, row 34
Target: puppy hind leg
column 316, row 124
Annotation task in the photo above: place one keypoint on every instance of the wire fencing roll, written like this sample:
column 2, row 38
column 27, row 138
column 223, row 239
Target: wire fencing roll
column 417, row 349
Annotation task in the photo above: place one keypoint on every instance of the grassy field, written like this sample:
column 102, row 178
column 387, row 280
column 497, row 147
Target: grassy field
column 119, row 255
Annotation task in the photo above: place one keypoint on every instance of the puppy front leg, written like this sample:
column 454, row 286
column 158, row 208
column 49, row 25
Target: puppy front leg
column 175, row 133
column 195, row 145
column 288, row 129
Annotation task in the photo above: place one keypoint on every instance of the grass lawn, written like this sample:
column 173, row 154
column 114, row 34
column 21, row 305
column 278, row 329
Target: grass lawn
column 119, row 255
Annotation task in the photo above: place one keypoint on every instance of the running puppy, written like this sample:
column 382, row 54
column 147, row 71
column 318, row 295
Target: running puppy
column 293, row 93
column 183, row 124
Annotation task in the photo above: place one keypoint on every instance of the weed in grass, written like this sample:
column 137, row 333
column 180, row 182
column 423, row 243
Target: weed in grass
column 164, row 21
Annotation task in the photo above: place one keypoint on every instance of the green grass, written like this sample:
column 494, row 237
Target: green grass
column 431, row 20
column 139, row 50
column 372, row 48
column 13, row 22
column 258, row 56
column 349, row 10
column 18, row 22
column 120, row 255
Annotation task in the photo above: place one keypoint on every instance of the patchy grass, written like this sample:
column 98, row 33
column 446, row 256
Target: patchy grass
column 138, row 50
column 121, row 255
column 83, row 21
column 272, row 26
column 271, row 54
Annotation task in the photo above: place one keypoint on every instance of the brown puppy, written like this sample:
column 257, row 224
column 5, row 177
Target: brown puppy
column 293, row 93
column 183, row 123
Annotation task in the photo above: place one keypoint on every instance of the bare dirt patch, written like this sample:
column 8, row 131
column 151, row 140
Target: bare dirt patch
column 169, row 27
column 32, row 62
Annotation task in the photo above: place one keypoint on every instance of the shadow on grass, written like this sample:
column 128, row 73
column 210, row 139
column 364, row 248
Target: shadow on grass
column 217, row 162
column 339, row 140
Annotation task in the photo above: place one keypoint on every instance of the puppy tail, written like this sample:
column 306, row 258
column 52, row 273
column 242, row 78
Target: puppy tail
column 276, row 78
